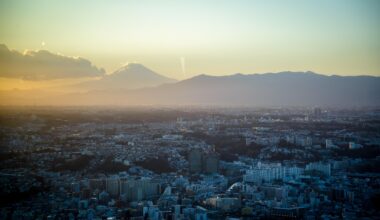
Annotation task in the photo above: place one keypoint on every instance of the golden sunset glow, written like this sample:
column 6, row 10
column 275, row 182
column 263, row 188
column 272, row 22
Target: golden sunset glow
column 54, row 44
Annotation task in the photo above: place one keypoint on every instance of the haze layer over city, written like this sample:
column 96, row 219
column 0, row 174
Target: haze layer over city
column 193, row 110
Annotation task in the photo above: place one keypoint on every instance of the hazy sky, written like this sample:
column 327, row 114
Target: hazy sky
column 181, row 39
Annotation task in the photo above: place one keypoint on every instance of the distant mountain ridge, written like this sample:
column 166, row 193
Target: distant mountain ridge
column 255, row 90
column 273, row 89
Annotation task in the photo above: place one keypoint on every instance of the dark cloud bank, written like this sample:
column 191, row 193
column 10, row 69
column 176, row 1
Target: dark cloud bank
column 44, row 65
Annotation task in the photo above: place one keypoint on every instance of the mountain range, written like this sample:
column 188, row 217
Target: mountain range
column 134, row 84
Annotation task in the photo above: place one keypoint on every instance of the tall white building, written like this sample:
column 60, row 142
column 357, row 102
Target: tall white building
column 268, row 173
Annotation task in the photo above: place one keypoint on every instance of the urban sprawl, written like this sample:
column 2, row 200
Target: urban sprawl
column 195, row 163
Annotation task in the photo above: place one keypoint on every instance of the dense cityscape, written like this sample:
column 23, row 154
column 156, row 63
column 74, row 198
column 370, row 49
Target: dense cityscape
column 194, row 163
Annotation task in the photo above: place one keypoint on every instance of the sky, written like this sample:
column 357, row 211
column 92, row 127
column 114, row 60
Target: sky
column 181, row 39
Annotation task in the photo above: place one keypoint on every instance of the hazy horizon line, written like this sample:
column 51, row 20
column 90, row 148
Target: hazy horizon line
column 213, row 74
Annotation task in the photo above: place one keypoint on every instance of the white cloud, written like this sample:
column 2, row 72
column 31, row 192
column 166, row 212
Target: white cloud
column 44, row 65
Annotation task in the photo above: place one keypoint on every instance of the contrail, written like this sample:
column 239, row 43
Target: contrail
column 183, row 65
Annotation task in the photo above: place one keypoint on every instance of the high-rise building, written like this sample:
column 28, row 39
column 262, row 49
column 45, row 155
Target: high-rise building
column 203, row 162
column 137, row 190
column 319, row 166
column 112, row 186
column 210, row 163
column 96, row 184
column 270, row 172
column 195, row 160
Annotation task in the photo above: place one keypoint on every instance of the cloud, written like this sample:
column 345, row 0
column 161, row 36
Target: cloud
column 44, row 65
